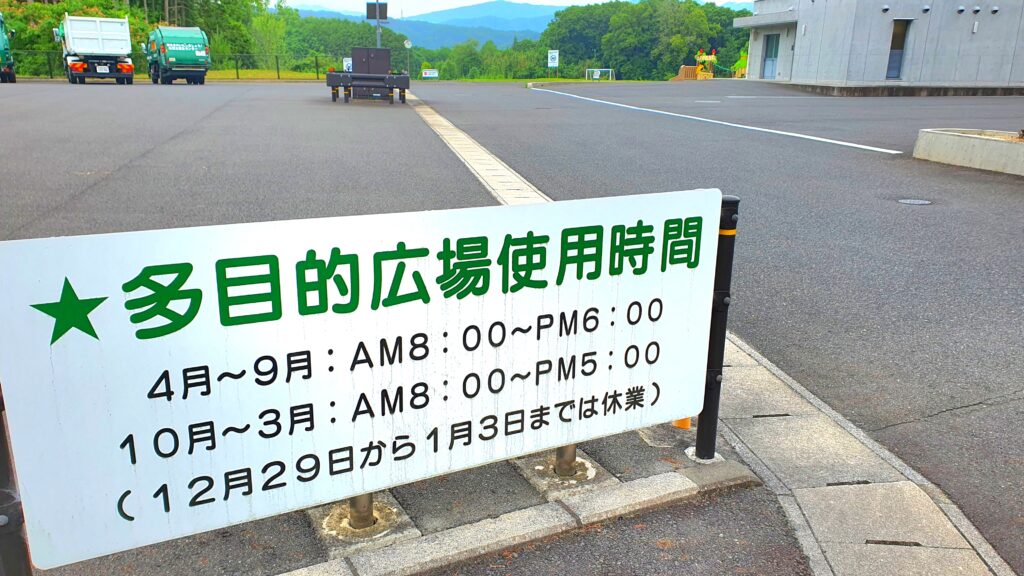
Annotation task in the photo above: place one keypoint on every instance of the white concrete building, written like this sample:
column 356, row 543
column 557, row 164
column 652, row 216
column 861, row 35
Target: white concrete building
column 941, row 43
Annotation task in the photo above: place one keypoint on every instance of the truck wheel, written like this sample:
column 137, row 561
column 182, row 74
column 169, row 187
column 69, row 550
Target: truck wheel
column 12, row 77
column 154, row 74
column 202, row 80
column 3, row 77
column 81, row 80
column 129, row 80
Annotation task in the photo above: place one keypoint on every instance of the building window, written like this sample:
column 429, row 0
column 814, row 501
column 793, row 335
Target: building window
column 896, row 49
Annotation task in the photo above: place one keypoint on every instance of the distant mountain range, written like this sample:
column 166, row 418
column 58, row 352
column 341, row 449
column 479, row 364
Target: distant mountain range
column 500, row 21
column 437, row 32
column 497, row 14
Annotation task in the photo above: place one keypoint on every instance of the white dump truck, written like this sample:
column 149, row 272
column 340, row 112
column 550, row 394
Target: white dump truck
column 96, row 48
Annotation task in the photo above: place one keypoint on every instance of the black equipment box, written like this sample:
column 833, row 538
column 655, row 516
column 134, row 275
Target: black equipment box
column 370, row 78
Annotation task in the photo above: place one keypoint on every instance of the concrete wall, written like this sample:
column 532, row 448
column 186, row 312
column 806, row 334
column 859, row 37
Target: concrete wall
column 824, row 35
column 941, row 47
column 847, row 42
column 755, row 55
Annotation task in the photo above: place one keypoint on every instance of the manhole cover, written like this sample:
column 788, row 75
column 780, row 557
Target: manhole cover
column 914, row 201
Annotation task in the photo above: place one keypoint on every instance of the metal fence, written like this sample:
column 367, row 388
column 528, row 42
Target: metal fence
column 313, row 66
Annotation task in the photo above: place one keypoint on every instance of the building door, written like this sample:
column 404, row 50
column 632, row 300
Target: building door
column 899, row 42
column 771, row 56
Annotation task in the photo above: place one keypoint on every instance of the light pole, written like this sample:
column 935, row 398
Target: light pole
column 378, row 23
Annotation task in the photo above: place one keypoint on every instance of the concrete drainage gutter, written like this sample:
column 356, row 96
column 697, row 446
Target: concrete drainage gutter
column 992, row 150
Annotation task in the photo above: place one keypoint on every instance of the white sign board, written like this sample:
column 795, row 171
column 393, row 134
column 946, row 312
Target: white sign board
column 346, row 64
column 430, row 73
column 552, row 58
column 165, row 383
column 407, row 44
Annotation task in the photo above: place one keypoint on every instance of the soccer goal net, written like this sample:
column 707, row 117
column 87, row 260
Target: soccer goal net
column 600, row 74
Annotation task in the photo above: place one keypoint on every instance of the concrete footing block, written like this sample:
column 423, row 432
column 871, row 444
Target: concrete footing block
column 539, row 470
column 340, row 540
column 721, row 475
column 691, row 453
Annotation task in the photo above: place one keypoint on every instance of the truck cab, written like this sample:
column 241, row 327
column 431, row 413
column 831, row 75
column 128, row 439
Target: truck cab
column 7, row 74
column 177, row 53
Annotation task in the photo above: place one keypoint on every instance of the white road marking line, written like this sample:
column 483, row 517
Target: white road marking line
column 707, row 101
column 721, row 123
column 504, row 183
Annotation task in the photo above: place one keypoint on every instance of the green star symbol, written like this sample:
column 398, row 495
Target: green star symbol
column 70, row 312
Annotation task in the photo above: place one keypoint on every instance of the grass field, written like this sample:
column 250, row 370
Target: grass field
column 248, row 74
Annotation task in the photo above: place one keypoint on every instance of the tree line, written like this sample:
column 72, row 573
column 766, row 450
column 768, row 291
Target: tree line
column 646, row 40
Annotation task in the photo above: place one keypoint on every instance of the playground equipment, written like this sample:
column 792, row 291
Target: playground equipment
column 707, row 68
column 706, row 64
column 739, row 69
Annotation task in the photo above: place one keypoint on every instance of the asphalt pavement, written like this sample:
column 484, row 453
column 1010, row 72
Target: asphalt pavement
column 904, row 318
column 108, row 158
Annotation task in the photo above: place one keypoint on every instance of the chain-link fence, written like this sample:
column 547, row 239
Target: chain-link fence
column 313, row 66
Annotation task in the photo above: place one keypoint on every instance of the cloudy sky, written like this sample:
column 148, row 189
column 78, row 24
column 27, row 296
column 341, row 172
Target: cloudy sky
column 413, row 7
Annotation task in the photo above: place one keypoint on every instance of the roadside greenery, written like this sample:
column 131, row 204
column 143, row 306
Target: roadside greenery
column 646, row 40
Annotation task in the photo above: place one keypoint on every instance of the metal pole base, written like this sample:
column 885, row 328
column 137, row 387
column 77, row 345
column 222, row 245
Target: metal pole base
column 360, row 512
column 565, row 461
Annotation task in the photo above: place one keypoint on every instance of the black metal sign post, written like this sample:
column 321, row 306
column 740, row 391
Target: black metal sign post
column 707, row 423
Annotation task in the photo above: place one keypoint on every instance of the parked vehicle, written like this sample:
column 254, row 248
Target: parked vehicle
column 174, row 53
column 6, row 54
column 96, row 48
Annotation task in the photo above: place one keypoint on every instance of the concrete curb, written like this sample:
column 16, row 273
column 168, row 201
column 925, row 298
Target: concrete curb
column 897, row 90
column 980, row 149
column 544, row 520
column 970, row 533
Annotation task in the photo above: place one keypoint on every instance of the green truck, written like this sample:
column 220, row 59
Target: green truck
column 6, row 54
column 174, row 53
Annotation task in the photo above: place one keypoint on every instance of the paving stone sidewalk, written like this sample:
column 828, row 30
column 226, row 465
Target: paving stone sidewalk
column 856, row 508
